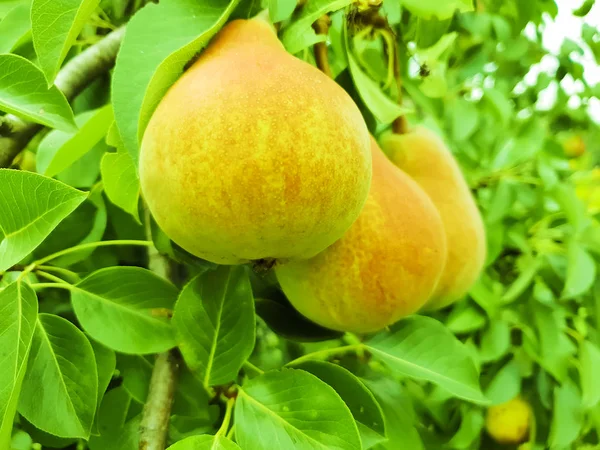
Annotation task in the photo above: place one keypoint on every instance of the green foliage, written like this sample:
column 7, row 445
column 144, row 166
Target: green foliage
column 126, row 309
column 84, row 303
column 54, row 27
column 60, row 356
column 148, row 63
column 24, row 91
column 59, row 149
column 14, row 28
column 280, row 407
column 214, row 319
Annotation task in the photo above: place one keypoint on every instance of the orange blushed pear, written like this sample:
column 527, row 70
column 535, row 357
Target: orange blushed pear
column 254, row 154
column 383, row 269
column 426, row 159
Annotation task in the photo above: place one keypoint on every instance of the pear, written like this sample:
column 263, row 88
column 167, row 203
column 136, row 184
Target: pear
column 509, row 423
column 254, row 154
column 424, row 157
column 384, row 268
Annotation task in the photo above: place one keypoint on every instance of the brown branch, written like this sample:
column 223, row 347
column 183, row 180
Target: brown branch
column 154, row 427
column 74, row 77
column 321, row 26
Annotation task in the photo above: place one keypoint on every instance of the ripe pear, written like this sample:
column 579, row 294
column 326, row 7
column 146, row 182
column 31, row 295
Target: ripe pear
column 384, row 268
column 254, row 154
column 508, row 423
column 426, row 159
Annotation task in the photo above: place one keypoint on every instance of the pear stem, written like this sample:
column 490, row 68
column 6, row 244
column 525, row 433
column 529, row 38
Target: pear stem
column 399, row 125
column 321, row 26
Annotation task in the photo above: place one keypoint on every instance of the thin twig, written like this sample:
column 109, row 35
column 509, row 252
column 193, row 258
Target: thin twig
column 74, row 77
column 321, row 26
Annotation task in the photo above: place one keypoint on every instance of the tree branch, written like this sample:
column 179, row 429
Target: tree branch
column 154, row 427
column 321, row 26
column 74, row 77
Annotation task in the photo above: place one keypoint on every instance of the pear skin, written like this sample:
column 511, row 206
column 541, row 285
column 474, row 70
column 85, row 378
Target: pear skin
column 254, row 154
column 426, row 159
column 383, row 269
column 509, row 423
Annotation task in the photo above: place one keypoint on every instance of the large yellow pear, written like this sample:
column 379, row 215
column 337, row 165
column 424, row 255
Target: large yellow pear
column 254, row 154
column 384, row 268
column 425, row 158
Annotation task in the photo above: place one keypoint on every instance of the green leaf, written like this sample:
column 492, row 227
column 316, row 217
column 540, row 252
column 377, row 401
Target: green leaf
column 47, row 440
column 86, row 224
column 382, row 107
column 470, row 429
column 205, row 442
column 14, row 28
column 465, row 318
column 54, row 27
column 571, row 205
column 506, row 384
column 97, row 218
column 159, row 41
column 280, row 10
column 31, row 206
column 8, row 5
column 106, row 362
column 501, row 105
column 24, row 92
column 567, row 418
column 215, row 324
column 299, row 34
column 61, row 383
column 59, row 149
column 84, row 172
column 278, row 411
column 495, row 341
column 581, row 271
column 589, row 356
column 191, row 398
column 362, row 404
column 284, row 320
column 136, row 371
column 525, row 146
column 18, row 313
column 112, row 416
column 430, row 31
column 465, row 118
column 555, row 347
column 126, row 309
column 121, row 182
column 442, row 9
column 423, row 348
column 523, row 281
column 399, row 415
column 584, row 9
